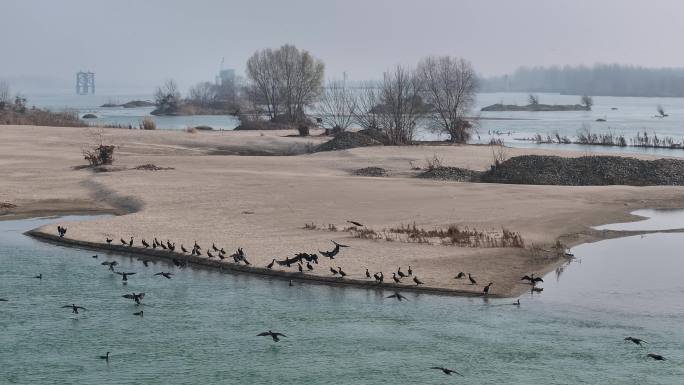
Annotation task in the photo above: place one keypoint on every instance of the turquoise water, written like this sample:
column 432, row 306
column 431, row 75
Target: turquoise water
column 200, row 326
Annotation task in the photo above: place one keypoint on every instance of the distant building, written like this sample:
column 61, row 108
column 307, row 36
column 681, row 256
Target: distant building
column 85, row 83
column 226, row 76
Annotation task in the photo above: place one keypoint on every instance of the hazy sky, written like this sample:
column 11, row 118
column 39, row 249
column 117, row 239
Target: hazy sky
column 140, row 43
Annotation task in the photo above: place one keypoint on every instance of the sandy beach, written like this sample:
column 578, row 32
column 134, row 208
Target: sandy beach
column 261, row 203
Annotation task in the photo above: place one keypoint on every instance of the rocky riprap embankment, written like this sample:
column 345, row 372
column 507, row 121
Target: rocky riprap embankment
column 351, row 139
column 451, row 173
column 370, row 171
column 587, row 171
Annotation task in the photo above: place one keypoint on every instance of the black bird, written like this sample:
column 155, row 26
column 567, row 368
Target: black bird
column 332, row 253
column 299, row 267
column 394, row 277
column 95, row 256
column 270, row 265
column 460, row 275
column 109, row 240
column 165, row 275
column 74, row 308
column 105, row 357
column 145, row 244
column 516, row 303
column 472, row 280
column 398, row 296
column 290, row 284
column 379, row 277
column 111, row 264
column 163, row 246
column 124, row 275
column 342, row 273
column 272, row 334
column 213, row 246
column 333, row 271
column 39, row 276
column 367, row 273
column 140, row 313
column 446, row 370
column 183, row 248
column 222, row 251
column 308, row 266
column 656, row 357
column 537, row 289
column 531, row 278
column 637, row 341
column 485, row 291
column 355, row 223
column 172, row 246
column 417, row 281
column 197, row 251
column 135, row 297
column 123, row 242
column 197, row 246
column 401, row 273
column 209, row 254
column 410, row 272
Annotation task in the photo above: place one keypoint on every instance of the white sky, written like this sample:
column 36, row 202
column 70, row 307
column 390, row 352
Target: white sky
column 141, row 43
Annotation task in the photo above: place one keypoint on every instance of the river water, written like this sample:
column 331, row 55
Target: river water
column 200, row 326
column 632, row 115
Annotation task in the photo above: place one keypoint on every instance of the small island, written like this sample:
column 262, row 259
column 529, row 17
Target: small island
column 534, row 106
column 131, row 104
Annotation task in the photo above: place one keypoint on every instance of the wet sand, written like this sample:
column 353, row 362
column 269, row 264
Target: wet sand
column 261, row 203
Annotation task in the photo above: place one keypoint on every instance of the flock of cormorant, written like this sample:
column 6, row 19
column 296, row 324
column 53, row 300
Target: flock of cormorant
column 240, row 257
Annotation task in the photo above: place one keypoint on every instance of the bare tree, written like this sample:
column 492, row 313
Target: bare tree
column 587, row 101
column 203, row 94
column 449, row 86
column 532, row 99
column 285, row 81
column 167, row 98
column 401, row 105
column 337, row 105
column 366, row 113
column 5, row 97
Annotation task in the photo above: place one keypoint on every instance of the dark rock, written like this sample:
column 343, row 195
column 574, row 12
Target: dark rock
column 138, row 103
column 203, row 128
column 89, row 116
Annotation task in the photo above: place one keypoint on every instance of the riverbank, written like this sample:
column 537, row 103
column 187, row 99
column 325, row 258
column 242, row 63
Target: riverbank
column 262, row 203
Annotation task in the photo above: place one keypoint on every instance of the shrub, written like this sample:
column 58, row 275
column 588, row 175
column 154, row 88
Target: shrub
column 303, row 130
column 99, row 155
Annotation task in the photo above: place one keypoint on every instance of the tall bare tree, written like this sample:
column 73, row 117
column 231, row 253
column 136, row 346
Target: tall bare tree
column 337, row 105
column 366, row 113
column 203, row 94
column 167, row 97
column 401, row 104
column 449, row 86
column 286, row 80
column 5, row 97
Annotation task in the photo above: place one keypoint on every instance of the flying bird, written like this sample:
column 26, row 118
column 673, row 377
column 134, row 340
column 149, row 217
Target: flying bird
column 124, row 275
column 74, row 308
column 446, row 371
column 398, row 296
column 272, row 335
column 332, row 253
column 165, row 275
column 637, row 341
column 136, row 297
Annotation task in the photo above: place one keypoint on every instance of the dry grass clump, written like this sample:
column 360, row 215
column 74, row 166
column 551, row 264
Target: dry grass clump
column 151, row 167
column 148, row 124
column 7, row 205
column 99, row 155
